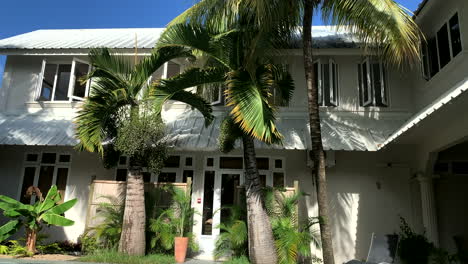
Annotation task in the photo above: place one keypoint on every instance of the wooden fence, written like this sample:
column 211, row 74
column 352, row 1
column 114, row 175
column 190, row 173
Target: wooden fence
column 113, row 192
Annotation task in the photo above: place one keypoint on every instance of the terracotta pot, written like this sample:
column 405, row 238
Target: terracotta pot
column 181, row 245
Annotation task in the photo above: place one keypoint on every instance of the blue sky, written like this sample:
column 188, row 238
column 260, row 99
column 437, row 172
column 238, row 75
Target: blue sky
column 23, row 16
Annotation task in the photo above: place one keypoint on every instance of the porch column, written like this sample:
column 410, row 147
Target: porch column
column 429, row 213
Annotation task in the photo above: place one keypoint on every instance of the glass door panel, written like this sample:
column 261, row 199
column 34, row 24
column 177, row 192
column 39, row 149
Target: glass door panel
column 229, row 193
column 208, row 195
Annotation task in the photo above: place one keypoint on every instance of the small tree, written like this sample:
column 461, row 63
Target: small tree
column 33, row 217
column 117, row 119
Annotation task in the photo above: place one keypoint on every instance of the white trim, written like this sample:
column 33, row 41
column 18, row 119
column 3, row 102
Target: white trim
column 40, row 81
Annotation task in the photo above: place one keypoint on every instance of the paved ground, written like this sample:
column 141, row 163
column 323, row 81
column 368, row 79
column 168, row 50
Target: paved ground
column 27, row 261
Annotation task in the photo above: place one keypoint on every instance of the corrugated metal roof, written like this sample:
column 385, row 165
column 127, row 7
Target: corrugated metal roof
column 442, row 100
column 120, row 38
column 338, row 133
column 124, row 38
column 187, row 132
column 40, row 130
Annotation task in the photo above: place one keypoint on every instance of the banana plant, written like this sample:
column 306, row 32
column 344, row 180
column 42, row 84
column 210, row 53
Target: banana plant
column 47, row 211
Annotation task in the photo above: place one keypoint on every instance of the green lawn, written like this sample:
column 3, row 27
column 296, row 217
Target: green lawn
column 114, row 257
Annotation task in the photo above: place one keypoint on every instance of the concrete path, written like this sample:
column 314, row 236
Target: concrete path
column 28, row 261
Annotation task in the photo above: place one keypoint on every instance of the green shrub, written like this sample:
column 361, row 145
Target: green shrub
column 107, row 233
column 4, row 250
column 413, row 247
column 292, row 239
column 18, row 250
column 53, row 248
column 88, row 243
column 232, row 241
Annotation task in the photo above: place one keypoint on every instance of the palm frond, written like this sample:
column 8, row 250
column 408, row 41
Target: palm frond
column 211, row 43
column 381, row 24
column 250, row 107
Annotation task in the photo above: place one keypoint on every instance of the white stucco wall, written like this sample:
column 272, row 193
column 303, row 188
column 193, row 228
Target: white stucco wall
column 431, row 19
column 365, row 196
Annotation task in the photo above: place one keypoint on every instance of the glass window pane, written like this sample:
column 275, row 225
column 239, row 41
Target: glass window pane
column 188, row 161
column 64, row 158
column 48, row 82
column 122, row 160
column 433, row 58
column 229, row 194
column 263, row 164
column 146, row 176
column 278, row 164
column 460, row 167
column 278, row 179
column 262, row 180
column 48, row 158
column 230, row 163
column 121, row 175
column 167, row 177
column 81, row 69
column 172, row 162
column 455, row 35
column 210, row 162
column 186, row 174
column 444, row 49
column 46, row 174
column 28, row 180
column 172, row 69
column 207, row 214
column 334, row 90
column 32, row 157
column 62, row 175
column 63, row 81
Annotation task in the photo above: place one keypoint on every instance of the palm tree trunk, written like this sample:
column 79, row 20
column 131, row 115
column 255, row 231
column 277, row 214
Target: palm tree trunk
column 132, row 239
column 318, row 155
column 262, row 248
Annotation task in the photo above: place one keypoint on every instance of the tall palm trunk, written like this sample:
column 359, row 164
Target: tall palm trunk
column 318, row 155
column 261, row 242
column 132, row 239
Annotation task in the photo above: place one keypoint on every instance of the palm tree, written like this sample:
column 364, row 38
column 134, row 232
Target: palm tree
column 248, row 89
column 385, row 28
column 117, row 119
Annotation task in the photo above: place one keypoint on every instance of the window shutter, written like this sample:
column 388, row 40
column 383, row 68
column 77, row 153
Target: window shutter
column 333, row 83
column 318, row 81
column 365, row 84
column 383, row 86
column 40, row 80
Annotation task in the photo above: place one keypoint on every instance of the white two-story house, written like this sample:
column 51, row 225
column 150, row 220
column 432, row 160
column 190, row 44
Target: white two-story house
column 395, row 138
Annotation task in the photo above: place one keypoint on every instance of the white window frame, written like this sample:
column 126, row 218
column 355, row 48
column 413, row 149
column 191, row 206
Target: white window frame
column 37, row 165
column 446, row 23
column 155, row 178
column 384, row 93
column 333, row 82
column 71, row 83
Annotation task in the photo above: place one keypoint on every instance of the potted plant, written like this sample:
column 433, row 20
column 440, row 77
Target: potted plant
column 172, row 227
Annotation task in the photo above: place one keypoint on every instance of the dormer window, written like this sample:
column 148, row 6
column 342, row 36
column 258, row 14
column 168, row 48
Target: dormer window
column 326, row 79
column 61, row 81
column 372, row 83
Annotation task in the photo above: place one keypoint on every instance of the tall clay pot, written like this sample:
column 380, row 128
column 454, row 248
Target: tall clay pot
column 180, row 251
